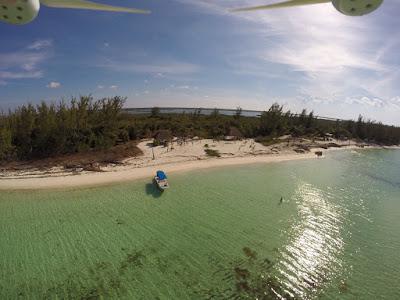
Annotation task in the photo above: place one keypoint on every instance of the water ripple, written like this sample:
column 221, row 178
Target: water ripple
column 312, row 255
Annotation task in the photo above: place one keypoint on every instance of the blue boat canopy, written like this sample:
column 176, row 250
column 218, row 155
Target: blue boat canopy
column 161, row 175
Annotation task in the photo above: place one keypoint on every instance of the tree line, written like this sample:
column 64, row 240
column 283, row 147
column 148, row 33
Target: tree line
column 45, row 130
column 276, row 122
column 85, row 124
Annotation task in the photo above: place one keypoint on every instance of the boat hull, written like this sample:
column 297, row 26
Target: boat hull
column 162, row 185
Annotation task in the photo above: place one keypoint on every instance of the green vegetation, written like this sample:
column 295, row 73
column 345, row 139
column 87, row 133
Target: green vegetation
column 155, row 111
column 275, row 122
column 48, row 130
column 212, row 153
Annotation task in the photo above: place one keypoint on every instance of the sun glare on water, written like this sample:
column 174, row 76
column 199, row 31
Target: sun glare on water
column 311, row 258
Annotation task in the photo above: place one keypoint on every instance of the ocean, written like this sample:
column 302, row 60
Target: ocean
column 314, row 229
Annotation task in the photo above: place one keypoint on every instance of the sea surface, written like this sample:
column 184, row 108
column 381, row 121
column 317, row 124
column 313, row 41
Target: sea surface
column 314, row 229
column 202, row 111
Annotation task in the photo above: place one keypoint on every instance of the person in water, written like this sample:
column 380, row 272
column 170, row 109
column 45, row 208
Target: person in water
column 281, row 201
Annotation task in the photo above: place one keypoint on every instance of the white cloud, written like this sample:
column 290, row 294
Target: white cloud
column 20, row 75
column 318, row 56
column 25, row 61
column 111, row 87
column 54, row 85
column 312, row 39
column 40, row 44
column 396, row 100
column 24, row 64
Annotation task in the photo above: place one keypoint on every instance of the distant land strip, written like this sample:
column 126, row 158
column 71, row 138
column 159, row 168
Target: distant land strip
column 208, row 111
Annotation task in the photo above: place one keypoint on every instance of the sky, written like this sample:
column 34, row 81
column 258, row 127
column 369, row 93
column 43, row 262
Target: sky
column 195, row 53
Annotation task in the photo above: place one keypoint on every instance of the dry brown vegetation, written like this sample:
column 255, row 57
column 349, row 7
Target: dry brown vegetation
column 89, row 160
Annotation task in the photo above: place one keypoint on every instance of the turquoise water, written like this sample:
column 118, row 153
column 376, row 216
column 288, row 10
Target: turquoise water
column 216, row 234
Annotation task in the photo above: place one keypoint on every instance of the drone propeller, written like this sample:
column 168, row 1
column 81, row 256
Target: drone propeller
column 83, row 4
column 282, row 4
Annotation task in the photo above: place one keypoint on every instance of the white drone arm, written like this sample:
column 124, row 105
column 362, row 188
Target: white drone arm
column 83, row 4
column 283, row 4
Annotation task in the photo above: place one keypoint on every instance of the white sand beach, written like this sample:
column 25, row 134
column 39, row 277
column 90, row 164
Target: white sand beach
column 178, row 157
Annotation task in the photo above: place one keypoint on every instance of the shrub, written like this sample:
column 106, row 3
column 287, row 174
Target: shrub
column 212, row 153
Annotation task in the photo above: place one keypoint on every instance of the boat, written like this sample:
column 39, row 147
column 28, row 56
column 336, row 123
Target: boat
column 161, row 180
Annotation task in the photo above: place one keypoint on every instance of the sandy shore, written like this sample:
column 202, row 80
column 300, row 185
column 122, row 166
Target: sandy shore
column 176, row 158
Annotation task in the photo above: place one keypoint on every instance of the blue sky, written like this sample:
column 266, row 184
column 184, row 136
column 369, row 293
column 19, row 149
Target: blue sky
column 195, row 53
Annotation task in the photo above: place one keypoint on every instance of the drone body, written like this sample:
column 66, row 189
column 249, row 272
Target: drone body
column 19, row 12
column 357, row 7
column 346, row 7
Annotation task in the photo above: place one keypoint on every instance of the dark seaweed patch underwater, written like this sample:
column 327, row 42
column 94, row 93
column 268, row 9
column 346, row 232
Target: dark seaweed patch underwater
column 247, row 277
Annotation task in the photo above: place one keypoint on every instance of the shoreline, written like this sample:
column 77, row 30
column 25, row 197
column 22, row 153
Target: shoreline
column 133, row 171
column 121, row 176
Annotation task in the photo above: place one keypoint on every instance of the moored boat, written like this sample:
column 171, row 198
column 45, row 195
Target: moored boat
column 161, row 180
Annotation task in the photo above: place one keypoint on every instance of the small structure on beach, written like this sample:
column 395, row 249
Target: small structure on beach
column 234, row 134
column 162, row 137
column 328, row 137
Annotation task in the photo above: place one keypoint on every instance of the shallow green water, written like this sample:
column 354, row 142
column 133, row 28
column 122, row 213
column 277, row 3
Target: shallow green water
column 216, row 234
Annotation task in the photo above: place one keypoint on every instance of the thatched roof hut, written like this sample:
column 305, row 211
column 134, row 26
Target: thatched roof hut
column 234, row 134
column 163, row 136
column 328, row 136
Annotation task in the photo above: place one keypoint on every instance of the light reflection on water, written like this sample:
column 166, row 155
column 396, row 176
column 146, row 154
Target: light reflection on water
column 311, row 258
